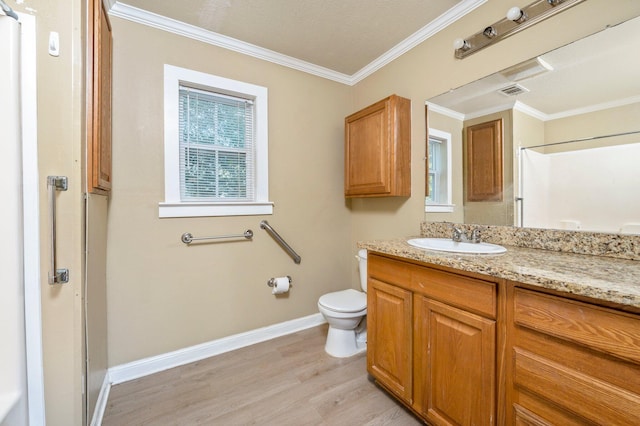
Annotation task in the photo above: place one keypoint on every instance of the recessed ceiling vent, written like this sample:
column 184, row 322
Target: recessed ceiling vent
column 513, row 90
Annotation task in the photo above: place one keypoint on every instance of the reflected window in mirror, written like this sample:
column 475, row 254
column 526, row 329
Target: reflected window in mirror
column 439, row 172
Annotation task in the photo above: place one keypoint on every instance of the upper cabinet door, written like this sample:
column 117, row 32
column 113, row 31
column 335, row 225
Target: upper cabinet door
column 378, row 150
column 484, row 169
column 99, row 112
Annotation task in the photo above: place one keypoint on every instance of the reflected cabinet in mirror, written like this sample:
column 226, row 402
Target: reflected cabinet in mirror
column 570, row 136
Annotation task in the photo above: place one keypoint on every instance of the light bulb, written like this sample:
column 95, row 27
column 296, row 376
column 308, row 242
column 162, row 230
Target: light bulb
column 461, row 44
column 516, row 14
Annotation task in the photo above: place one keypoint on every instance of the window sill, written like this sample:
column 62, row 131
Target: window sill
column 214, row 209
column 439, row 208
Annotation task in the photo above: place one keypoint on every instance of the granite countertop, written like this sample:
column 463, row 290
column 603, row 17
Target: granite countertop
column 598, row 277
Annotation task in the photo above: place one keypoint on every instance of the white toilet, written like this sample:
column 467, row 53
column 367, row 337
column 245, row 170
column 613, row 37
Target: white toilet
column 345, row 312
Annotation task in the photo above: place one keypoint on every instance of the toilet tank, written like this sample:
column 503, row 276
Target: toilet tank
column 362, row 264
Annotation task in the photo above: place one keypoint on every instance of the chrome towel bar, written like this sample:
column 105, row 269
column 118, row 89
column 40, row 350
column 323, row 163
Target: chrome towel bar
column 187, row 238
column 56, row 275
column 265, row 225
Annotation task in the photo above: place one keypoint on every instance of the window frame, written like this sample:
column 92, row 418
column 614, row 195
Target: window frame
column 173, row 206
column 446, row 206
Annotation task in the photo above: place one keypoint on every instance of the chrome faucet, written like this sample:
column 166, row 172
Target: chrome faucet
column 459, row 235
column 475, row 236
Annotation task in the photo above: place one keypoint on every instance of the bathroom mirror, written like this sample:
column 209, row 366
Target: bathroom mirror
column 581, row 100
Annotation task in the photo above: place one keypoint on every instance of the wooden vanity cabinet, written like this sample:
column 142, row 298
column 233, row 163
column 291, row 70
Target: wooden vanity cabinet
column 432, row 340
column 378, row 150
column 460, row 348
column 571, row 362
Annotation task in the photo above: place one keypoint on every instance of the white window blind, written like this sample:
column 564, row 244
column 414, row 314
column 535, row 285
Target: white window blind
column 217, row 149
column 216, row 146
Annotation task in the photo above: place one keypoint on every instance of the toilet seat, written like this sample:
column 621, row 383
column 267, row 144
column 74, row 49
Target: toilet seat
column 345, row 301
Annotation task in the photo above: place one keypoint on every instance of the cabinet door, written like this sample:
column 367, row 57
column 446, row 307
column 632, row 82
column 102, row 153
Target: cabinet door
column 99, row 143
column 455, row 365
column 484, row 165
column 378, row 149
column 389, row 313
column 366, row 168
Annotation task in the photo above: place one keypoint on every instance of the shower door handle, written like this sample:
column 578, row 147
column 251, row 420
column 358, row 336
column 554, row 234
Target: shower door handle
column 55, row 183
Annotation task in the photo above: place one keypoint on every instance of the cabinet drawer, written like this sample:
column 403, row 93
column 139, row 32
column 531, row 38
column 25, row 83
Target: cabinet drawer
column 575, row 390
column 601, row 329
column 471, row 294
column 389, row 270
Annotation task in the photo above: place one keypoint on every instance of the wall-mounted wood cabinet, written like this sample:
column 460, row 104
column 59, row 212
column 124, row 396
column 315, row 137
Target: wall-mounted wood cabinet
column 378, row 150
column 99, row 63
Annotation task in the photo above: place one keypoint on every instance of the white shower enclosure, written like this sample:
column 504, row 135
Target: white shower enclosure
column 595, row 189
column 13, row 388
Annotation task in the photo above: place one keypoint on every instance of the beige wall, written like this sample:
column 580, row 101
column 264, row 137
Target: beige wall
column 164, row 295
column 598, row 123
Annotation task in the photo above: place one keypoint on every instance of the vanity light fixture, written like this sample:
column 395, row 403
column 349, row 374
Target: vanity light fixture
column 517, row 19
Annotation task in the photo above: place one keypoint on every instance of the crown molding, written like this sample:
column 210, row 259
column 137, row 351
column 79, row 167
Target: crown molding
column 491, row 110
column 594, row 108
column 445, row 111
column 140, row 16
column 438, row 24
column 526, row 109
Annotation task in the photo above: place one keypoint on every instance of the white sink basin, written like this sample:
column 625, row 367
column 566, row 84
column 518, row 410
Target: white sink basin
column 447, row 244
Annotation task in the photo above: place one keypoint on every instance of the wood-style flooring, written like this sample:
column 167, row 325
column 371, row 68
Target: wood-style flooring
column 285, row 381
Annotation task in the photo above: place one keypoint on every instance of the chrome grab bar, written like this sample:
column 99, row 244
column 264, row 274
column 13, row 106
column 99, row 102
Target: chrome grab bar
column 55, row 183
column 265, row 225
column 187, row 238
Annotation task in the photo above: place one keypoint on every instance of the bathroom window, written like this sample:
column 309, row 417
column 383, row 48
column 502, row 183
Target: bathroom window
column 215, row 146
column 439, row 173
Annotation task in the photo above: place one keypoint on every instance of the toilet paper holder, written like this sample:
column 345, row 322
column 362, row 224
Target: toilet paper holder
column 272, row 281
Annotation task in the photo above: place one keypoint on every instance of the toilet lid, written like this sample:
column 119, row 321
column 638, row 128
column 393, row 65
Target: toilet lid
column 344, row 301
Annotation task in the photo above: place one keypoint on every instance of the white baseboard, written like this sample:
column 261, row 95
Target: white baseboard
column 101, row 403
column 144, row 367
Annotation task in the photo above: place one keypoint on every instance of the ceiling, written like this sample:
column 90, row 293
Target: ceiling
column 340, row 36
